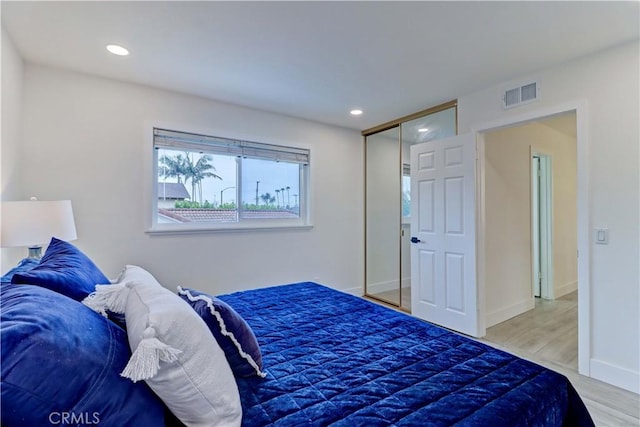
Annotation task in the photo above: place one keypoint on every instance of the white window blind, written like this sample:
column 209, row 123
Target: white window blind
column 163, row 138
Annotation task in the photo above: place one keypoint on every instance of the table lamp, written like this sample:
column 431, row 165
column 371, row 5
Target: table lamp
column 33, row 223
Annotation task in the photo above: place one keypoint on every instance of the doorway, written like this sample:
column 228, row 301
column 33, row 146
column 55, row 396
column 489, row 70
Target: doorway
column 531, row 237
column 489, row 252
column 541, row 220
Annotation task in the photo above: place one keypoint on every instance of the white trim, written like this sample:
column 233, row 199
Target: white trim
column 567, row 288
column 186, row 228
column 405, row 282
column 584, row 250
column 223, row 328
column 545, row 219
column 535, row 222
column 548, row 253
column 481, row 260
column 356, row 291
column 616, row 375
column 480, row 234
column 506, row 313
column 390, row 285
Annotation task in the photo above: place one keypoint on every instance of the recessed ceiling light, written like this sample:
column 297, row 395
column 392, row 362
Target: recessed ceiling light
column 423, row 130
column 356, row 112
column 117, row 50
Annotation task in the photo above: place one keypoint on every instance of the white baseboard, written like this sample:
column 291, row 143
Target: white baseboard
column 375, row 288
column 565, row 289
column 357, row 291
column 615, row 375
column 506, row 313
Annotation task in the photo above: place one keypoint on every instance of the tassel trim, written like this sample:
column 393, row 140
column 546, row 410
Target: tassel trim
column 145, row 360
column 108, row 297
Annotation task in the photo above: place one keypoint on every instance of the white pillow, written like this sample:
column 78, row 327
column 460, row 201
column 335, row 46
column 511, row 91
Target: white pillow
column 173, row 350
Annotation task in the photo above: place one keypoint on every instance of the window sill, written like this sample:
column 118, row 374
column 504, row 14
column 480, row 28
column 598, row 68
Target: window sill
column 223, row 228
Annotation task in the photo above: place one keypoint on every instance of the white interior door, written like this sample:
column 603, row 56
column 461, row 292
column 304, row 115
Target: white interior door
column 541, row 226
column 545, row 219
column 443, row 232
column 535, row 223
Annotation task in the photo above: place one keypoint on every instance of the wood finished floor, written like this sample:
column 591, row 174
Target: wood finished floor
column 549, row 332
column 548, row 335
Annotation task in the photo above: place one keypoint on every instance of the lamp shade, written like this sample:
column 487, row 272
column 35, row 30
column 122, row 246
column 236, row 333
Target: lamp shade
column 34, row 222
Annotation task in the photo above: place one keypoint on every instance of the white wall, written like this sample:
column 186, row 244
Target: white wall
column 563, row 151
column 83, row 139
column 507, row 227
column 86, row 139
column 609, row 85
column 508, row 266
column 11, row 113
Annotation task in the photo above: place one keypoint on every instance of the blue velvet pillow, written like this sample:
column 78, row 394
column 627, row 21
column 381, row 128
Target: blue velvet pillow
column 65, row 270
column 61, row 360
column 230, row 330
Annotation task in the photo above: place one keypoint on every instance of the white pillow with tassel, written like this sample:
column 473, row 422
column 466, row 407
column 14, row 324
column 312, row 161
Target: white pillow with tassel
column 173, row 350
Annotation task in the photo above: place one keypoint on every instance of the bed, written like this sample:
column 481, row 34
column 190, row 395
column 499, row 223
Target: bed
column 335, row 359
column 302, row 355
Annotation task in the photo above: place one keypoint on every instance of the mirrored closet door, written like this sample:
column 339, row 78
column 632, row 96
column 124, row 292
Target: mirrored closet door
column 388, row 199
column 382, row 206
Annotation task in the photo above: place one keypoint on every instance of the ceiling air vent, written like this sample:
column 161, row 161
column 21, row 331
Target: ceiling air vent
column 520, row 95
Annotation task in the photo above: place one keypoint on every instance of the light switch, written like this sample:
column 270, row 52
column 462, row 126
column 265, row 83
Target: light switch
column 602, row 236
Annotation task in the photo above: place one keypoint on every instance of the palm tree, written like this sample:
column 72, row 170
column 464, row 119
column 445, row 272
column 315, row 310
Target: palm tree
column 278, row 198
column 267, row 198
column 190, row 174
column 288, row 199
column 173, row 167
column 199, row 171
column 183, row 168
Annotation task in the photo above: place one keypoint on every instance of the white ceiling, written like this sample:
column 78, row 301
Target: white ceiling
column 317, row 60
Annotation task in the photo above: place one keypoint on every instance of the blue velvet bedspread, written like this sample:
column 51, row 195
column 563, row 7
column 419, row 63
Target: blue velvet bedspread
column 335, row 359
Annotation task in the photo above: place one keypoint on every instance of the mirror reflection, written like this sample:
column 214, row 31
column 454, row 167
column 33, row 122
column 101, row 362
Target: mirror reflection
column 383, row 215
column 388, row 203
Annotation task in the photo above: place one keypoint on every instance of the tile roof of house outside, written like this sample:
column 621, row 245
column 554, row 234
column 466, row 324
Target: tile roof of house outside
column 224, row 215
column 172, row 190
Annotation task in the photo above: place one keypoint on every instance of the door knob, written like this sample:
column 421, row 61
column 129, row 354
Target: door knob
column 415, row 240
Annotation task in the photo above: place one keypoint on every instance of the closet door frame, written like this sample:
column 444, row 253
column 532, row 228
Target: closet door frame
column 397, row 123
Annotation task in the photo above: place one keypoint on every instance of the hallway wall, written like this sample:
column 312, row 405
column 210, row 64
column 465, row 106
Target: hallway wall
column 508, row 215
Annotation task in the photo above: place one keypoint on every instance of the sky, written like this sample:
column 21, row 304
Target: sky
column 270, row 174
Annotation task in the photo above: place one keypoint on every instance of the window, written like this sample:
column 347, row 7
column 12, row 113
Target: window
column 207, row 182
column 406, row 191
